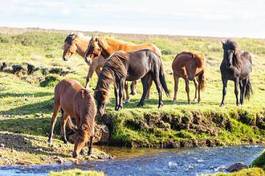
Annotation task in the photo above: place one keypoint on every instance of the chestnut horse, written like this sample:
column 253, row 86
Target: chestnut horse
column 77, row 43
column 75, row 101
column 236, row 66
column 188, row 65
column 121, row 66
column 105, row 46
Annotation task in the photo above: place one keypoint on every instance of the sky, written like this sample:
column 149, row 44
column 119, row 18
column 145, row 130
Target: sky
column 222, row 18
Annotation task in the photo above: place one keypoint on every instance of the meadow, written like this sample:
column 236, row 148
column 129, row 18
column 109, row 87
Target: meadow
column 26, row 104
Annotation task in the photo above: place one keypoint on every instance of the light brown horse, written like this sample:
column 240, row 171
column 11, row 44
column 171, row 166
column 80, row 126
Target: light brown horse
column 77, row 44
column 105, row 46
column 75, row 101
column 188, row 65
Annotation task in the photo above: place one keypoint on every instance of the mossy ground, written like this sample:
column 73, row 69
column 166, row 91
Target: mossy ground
column 25, row 108
column 76, row 172
column 245, row 172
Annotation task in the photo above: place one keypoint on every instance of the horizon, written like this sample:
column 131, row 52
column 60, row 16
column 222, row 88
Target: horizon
column 207, row 18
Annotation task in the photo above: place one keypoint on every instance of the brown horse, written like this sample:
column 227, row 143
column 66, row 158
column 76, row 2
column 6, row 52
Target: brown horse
column 77, row 43
column 75, row 101
column 122, row 66
column 105, row 46
column 188, row 65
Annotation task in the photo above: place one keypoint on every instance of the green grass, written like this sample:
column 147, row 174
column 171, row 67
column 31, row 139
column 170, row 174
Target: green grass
column 244, row 172
column 25, row 108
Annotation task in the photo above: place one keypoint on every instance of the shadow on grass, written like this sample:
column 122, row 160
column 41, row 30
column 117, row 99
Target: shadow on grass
column 25, row 144
column 38, row 94
column 39, row 107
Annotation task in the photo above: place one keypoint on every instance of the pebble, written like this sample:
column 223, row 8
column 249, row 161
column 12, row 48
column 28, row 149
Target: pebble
column 2, row 145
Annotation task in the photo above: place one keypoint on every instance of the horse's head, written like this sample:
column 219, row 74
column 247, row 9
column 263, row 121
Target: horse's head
column 229, row 48
column 94, row 48
column 81, row 138
column 101, row 97
column 70, row 46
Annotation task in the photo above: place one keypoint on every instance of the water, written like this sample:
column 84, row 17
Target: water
column 188, row 162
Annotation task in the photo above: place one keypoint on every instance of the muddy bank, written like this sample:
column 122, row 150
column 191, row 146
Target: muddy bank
column 19, row 149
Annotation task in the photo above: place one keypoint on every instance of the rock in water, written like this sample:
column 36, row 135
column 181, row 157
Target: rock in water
column 236, row 167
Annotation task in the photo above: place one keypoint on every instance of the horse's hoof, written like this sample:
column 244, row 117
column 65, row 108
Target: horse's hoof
column 221, row 105
column 126, row 101
column 133, row 93
column 74, row 155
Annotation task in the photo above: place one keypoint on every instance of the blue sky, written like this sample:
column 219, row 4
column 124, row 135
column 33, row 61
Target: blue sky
column 224, row 18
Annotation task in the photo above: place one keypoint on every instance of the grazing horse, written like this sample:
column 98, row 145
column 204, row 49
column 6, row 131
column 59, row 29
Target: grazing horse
column 76, row 102
column 236, row 66
column 188, row 66
column 131, row 66
column 105, row 46
column 77, row 43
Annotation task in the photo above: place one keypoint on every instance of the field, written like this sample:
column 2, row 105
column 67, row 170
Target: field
column 26, row 101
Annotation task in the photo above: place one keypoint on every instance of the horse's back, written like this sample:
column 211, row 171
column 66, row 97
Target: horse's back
column 64, row 93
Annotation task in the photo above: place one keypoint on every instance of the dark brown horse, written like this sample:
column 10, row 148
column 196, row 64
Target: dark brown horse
column 105, row 46
column 75, row 101
column 188, row 66
column 236, row 66
column 122, row 66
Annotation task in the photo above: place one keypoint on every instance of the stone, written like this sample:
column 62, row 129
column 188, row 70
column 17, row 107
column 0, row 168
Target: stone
column 236, row 167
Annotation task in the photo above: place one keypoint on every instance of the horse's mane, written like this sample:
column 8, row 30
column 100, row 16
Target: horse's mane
column 70, row 37
column 199, row 58
column 230, row 44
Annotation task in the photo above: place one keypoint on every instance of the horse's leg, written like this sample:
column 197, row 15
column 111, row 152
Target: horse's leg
column 148, row 91
column 98, row 70
column 90, row 73
column 224, row 91
column 146, row 82
column 236, row 90
column 199, row 91
column 90, row 145
column 176, row 85
column 241, row 87
column 196, row 89
column 158, row 88
column 187, row 88
column 63, row 126
column 133, row 87
column 126, row 87
column 53, row 121
column 121, row 88
column 116, row 96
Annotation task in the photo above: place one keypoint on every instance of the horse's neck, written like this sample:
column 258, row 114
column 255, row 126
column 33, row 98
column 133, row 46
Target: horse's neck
column 82, row 45
column 113, row 45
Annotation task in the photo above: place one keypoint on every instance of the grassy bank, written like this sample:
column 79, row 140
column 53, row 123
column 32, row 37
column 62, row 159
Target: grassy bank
column 26, row 104
column 76, row 172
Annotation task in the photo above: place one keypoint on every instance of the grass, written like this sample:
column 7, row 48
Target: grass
column 244, row 172
column 25, row 108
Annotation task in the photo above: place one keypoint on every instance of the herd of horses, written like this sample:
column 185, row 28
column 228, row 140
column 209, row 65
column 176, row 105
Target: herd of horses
column 119, row 62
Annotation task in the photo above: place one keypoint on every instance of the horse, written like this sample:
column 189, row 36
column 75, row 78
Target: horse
column 77, row 43
column 188, row 66
column 236, row 66
column 76, row 102
column 130, row 66
column 105, row 46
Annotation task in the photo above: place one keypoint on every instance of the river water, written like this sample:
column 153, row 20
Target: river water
column 184, row 162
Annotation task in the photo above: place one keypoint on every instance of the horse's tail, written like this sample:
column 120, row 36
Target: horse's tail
column 249, row 90
column 163, row 80
column 201, row 80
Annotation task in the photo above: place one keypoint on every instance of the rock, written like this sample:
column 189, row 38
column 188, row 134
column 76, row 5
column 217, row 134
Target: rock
column 2, row 145
column 236, row 167
column 59, row 160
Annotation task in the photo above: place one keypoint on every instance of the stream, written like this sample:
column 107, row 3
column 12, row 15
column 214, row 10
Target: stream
column 153, row 162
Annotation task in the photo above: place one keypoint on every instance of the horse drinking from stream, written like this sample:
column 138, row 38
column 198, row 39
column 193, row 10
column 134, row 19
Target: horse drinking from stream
column 76, row 102
column 121, row 66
